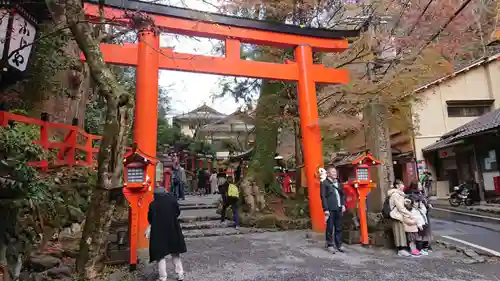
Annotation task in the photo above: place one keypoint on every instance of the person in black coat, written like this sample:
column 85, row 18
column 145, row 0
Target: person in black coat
column 333, row 201
column 203, row 184
column 166, row 236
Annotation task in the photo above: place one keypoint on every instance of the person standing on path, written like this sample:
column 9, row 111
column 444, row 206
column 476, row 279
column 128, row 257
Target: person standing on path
column 230, row 197
column 179, row 181
column 222, row 182
column 333, row 202
column 203, row 185
column 237, row 173
column 213, row 182
column 401, row 217
column 165, row 237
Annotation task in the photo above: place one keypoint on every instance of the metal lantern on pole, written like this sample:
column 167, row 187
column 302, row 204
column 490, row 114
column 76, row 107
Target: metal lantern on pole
column 18, row 29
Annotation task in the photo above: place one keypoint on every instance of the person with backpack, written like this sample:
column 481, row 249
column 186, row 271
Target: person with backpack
column 394, row 208
column 230, row 197
column 333, row 202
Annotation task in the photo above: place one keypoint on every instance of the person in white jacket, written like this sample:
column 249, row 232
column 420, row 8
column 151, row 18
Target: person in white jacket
column 403, row 220
column 213, row 182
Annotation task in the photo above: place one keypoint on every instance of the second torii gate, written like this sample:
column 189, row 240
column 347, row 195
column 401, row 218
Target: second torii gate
column 148, row 57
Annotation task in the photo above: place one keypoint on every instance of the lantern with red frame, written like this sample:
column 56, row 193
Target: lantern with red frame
column 362, row 184
column 361, row 166
column 135, row 171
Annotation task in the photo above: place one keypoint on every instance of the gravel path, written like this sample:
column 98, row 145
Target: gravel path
column 289, row 256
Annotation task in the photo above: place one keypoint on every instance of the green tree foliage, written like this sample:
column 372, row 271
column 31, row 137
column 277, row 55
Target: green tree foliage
column 16, row 150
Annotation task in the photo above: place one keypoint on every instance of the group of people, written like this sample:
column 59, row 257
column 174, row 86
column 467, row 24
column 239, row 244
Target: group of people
column 210, row 183
column 165, row 232
column 409, row 211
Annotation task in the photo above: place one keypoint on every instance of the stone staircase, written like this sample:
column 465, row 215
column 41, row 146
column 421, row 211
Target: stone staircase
column 199, row 218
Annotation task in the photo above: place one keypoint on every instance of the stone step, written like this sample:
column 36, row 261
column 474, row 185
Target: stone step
column 117, row 257
column 212, row 232
column 198, row 206
column 199, row 215
column 191, row 219
column 206, row 225
column 189, row 203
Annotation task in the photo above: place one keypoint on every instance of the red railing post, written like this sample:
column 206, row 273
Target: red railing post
column 88, row 150
column 200, row 161
column 3, row 119
column 44, row 138
column 193, row 163
column 70, row 145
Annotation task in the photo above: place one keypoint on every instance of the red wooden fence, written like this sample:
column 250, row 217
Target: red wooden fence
column 78, row 148
column 76, row 141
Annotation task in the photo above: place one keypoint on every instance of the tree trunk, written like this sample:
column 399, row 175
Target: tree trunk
column 379, row 143
column 110, row 157
column 299, row 160
column 60, row 83
column 260, row 173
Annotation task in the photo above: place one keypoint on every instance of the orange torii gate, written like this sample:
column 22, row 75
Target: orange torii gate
column 148, row 57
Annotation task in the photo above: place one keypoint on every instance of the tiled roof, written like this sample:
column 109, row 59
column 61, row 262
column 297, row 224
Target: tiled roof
column 202, row 112
column 237, row 121
column 345, row 159
column 473, row 65
column 488, row 121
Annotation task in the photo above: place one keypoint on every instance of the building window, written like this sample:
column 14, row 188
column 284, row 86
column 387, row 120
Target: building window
column 192, row 127
column 468, row 111
column 469, row 108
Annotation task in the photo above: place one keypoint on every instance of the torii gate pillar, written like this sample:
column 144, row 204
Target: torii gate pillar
column 309, row 123
column 146, row 114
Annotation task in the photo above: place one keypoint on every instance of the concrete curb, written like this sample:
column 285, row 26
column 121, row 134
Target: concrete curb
column 474, row 210
column 484, row 209
column 477, row 255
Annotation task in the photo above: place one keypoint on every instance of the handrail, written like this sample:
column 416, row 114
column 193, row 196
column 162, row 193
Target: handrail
column 67, row 149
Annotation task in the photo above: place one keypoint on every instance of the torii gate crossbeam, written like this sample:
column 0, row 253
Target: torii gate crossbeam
column 148, row 57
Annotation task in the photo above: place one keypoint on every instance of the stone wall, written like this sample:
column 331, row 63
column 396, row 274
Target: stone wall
column 37, row 233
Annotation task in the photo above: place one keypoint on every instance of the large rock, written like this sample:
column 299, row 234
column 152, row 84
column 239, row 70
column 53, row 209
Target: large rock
column 43, row 262
column 37, row 277
column 59, row 272
column 75, row 214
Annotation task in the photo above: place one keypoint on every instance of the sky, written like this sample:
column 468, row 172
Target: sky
column 191, row 90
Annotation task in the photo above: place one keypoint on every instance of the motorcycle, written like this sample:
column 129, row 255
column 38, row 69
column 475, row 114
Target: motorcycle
column 461, row 194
